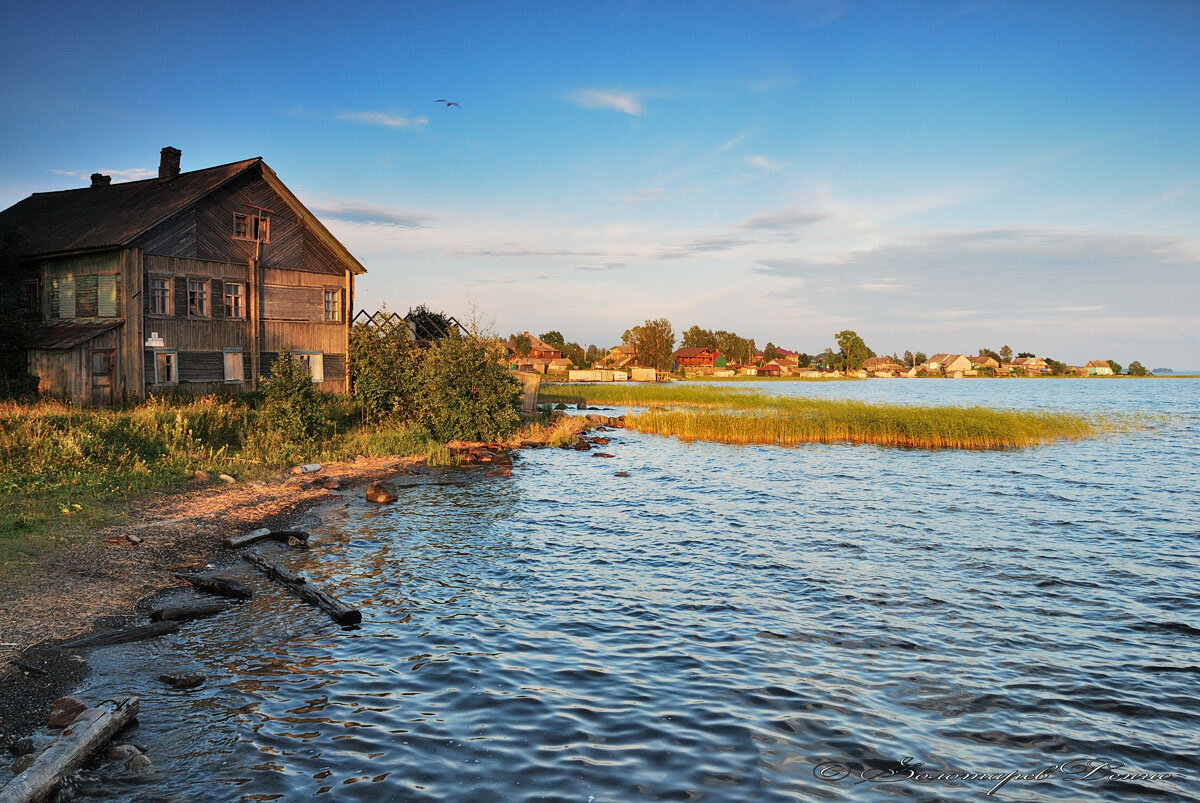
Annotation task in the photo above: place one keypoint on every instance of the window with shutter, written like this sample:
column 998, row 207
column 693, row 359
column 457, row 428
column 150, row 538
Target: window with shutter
column 106, row 297
column 234, row 370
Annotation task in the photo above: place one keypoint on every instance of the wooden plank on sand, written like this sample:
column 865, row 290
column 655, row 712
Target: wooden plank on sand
column 87, row 734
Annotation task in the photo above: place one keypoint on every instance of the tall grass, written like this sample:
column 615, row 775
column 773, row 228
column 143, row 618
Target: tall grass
column 746, row 416
column 66, row 469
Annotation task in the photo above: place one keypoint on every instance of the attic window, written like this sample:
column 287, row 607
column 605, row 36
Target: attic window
column 255, row 225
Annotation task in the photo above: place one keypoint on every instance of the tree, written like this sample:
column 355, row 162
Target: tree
column 575, row 353
column 804, row 360
column 919, row 358
column 769, row 352
column 854, row 351
column 466, row 392
column 1115, row 366
column 989, row 353
column 292, row 411
column 1057, row 368
column 1026, row 354
column 1005, row 354
column 908, row 359
column 697, row 338
column 594, row 355
column 521, row 344
column 429, row 325
column 1137, row 369
column 554, row 338
column 654, row 342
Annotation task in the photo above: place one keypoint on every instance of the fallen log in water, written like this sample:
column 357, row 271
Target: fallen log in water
column 341, row 613
column 121, row 636
column 221, row 586
column 188, row 610
column 254, row 536
column 88, row 733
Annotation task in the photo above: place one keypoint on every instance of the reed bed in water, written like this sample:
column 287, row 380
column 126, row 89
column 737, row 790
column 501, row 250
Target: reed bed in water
column 826, row 421
column 730, row 415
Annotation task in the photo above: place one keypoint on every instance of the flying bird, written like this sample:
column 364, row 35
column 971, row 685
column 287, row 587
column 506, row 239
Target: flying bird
column 448, row 103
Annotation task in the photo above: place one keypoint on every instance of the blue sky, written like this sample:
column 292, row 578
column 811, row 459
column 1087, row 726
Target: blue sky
column 938, row 176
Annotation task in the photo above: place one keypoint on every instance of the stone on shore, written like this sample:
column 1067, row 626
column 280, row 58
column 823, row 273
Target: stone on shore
column 203, row 476
column 138, row 762
column 500, row 472
column 23, row 763
column 601, row 454
column 621, row 474
column 64, row 711
column 190, row 681
column 226, row 478
column 382, row 493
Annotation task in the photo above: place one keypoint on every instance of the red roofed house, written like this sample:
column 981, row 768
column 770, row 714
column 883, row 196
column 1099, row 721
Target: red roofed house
column 696, row 357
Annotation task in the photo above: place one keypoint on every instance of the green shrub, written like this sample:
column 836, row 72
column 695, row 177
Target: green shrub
column 384, row 363
column 292, row 411
column 466, row 392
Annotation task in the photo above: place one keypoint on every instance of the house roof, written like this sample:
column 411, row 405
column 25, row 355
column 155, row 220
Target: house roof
column 95, row 218
column 873, row 363
column 624, row 348
column 67, row 335
column 541, row 345
column 693, row 352
column 1097, row 364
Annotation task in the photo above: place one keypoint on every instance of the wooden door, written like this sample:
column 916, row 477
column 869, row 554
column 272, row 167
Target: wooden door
column 102, row 376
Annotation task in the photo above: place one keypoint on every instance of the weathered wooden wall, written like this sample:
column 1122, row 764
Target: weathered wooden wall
column 67, row 373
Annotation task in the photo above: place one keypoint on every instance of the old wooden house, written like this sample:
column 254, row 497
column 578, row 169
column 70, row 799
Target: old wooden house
column 189, row 281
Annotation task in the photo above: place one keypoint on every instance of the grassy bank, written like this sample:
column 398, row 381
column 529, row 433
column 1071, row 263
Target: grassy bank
column 729, row 416
column 65, row 470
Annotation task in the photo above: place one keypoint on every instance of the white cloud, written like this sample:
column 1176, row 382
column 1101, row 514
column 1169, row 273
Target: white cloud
column 118, row 176
column 764, row 163
column 623, row 101
column 783, row 219
column 1071, row 308
column 647, row 196
column 357, row 211
column 383, row 119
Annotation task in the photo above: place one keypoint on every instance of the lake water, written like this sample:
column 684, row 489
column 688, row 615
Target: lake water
column 727, row 623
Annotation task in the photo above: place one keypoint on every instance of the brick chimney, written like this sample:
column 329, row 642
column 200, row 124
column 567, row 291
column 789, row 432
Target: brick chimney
column 168, row 163
column 101, row 180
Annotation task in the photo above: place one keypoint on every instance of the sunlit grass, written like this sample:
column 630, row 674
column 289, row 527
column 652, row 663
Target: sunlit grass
column 66, row 470
column 746, row 416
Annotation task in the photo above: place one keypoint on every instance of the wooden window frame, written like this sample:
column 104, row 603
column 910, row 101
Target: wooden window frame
column 257, row 223
column 175, row 361
column 241, row 366
column 243, row 296
column 337, row 304
column 206, row 284
column 170, row 278
column 321, row 354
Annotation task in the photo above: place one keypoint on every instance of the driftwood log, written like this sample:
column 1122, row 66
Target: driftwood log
column 87, row 734
column 221, row 586
column 121, row 636
column 341, row 613
column 254, row 536
column 188, row 610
